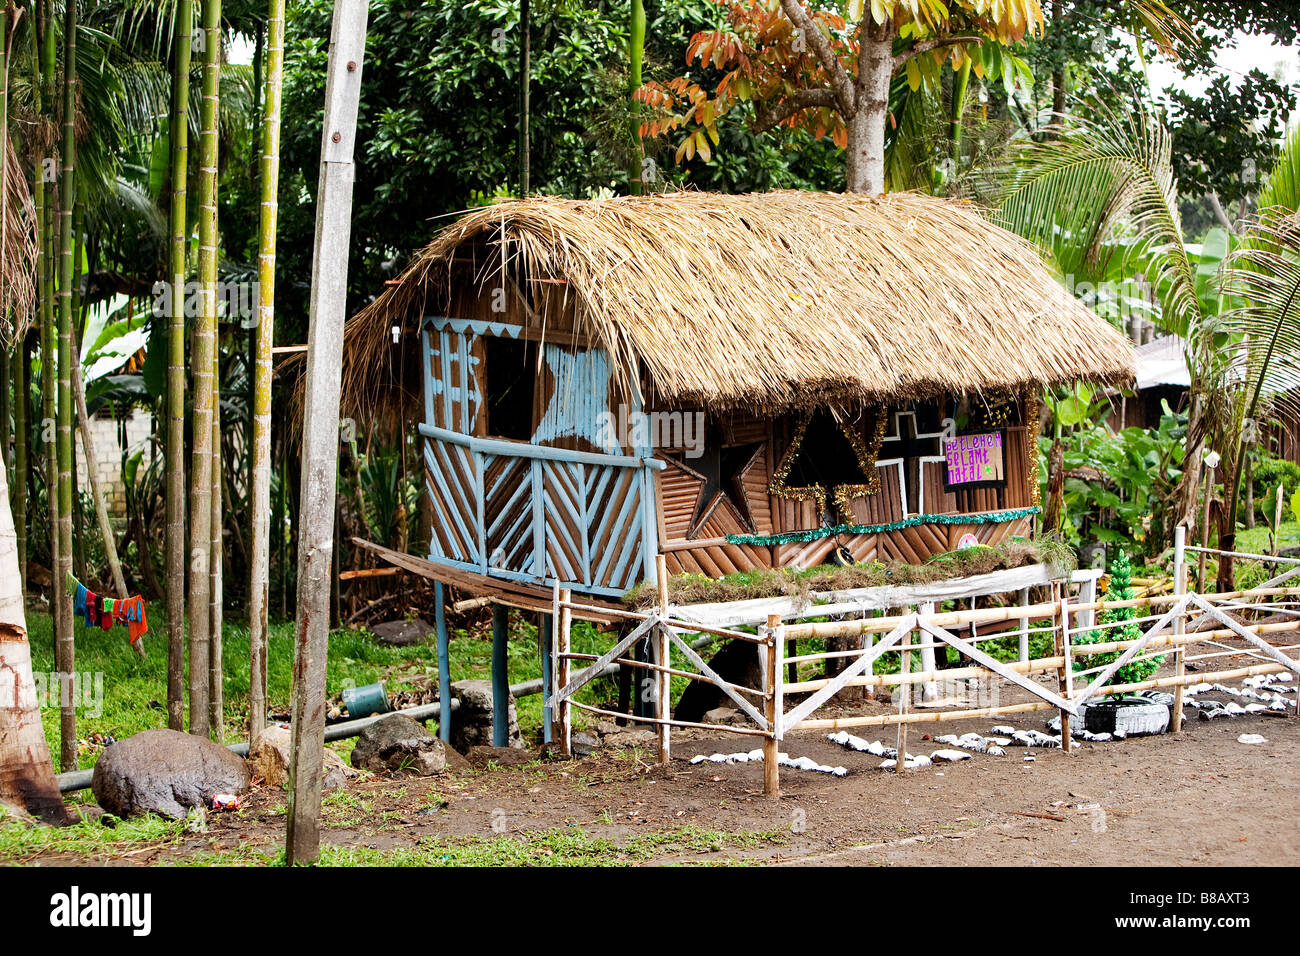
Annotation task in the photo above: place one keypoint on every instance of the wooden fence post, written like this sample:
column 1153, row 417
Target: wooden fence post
column 562, row 709
column 1065, row 679
column 771, row 674
column 663, row 680
column 320, row 429
column 930, row 689
column 1024, row 627
column 905, row 651
column 1180, row 624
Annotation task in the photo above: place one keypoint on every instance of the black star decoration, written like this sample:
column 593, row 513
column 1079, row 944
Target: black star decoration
column 722, row 471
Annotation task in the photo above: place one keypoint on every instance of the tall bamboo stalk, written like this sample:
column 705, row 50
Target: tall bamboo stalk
column 636, row 52
column 176, row 373
column 259, row 568
column 67, row 196
column 42, row 63
column 203, row 355
column 216, row 667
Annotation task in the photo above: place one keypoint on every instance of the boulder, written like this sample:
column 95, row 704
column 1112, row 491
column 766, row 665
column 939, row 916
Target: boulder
column 402, row 633
column 471, row 722
column 399, row 743
column 165, row 772
column 269, row 760
column 583, row 745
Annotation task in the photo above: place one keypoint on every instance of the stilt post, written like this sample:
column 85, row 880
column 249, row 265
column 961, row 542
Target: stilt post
column 444, row 661
column 563, row 711
column 500, row 676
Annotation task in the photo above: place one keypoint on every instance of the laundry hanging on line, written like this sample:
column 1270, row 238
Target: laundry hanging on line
column 103, row 612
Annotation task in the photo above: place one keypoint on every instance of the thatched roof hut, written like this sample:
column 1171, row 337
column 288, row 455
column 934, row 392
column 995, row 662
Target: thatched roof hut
column 732, row 382
column 764, row 301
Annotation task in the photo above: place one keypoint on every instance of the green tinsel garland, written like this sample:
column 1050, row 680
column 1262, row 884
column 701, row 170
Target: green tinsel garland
column 816, row 534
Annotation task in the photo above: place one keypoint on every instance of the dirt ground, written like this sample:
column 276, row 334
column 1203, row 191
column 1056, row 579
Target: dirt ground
column 1196, row 798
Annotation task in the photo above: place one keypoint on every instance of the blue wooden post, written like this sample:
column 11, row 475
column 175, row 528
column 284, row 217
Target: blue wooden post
column 444, row 664
column 500, row 677
column 548, row 652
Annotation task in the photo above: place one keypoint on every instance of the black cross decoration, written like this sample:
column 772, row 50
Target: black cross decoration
column 909, row 450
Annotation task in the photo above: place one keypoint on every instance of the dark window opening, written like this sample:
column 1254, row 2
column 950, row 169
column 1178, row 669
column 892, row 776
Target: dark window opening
column 825, row 457
column 511, row 367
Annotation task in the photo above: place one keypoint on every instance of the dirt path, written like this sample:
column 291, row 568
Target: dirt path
column 1196, row 798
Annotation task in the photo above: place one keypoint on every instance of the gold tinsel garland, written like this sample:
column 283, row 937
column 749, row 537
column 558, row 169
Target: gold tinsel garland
column 843, row 494
column 1031, row 444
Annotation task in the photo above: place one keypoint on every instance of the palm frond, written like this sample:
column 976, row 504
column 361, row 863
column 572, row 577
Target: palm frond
column 1262, row 349
column 1103, row 178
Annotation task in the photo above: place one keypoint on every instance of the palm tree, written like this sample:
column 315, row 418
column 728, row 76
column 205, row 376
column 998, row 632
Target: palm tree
column 1073, row 194
column 259, row 563
column 26, row 775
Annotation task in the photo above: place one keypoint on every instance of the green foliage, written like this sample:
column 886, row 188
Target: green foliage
column 1118, row 483
column 1121, row 589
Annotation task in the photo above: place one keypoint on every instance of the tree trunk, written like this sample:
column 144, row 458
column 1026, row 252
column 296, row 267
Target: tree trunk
column 64, row 651
column 176, row 374
column 865, row 171
column 26, row 774
column 259, row 568
column 203, row 358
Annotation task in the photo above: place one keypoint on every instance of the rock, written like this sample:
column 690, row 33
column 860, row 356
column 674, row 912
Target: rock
column 399, row 743
column 471, row 723
column 583, row 745
column 402, row 633
column 501, row 756
column 605, row 728
column 721, row 715
column 631, row 738
column 269, row 760
column 165, row 772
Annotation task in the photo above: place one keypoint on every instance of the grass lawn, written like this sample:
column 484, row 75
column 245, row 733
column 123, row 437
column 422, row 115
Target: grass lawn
column 135, row 691
column 1255, row 540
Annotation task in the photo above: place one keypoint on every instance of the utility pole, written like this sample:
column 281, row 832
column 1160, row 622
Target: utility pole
column 320, row 430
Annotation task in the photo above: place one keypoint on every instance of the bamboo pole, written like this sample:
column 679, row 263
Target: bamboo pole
column 259, row 568
column 771, row 675
column 1064, row 680
column 1180, row 622
column 203, row 361
column 905, row 651
column 175, row 446
column 66, row 651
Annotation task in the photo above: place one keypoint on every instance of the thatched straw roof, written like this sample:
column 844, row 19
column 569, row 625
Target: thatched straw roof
column 770, row 300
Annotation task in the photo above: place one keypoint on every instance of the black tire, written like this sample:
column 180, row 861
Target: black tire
column 1130, row 716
